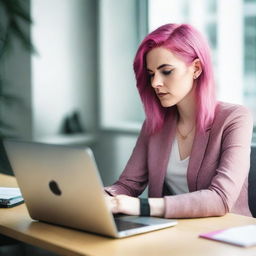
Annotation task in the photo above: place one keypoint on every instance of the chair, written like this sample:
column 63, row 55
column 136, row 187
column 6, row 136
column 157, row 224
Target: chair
column 252, row 182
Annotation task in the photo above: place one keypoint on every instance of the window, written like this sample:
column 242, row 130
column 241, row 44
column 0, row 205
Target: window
column 232, row 40
column 121, row 25
column 250, row 55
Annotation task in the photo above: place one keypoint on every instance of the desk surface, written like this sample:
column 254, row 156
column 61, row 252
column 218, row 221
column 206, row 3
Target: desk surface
column 179, row 240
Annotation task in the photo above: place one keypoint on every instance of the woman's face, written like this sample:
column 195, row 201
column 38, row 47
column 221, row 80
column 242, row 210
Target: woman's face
column 170, row 77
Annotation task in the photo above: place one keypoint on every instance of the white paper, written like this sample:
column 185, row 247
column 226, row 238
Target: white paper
column 9, row 193
column 243, row 236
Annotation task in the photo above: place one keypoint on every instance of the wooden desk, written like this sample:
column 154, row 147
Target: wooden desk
column 181, row 240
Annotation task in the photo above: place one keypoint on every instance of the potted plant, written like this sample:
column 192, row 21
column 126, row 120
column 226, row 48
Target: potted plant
column 12, row 15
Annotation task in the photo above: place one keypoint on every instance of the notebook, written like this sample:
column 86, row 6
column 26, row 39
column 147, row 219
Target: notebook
column 62, row 185
column 10, row 197
column 243, row 236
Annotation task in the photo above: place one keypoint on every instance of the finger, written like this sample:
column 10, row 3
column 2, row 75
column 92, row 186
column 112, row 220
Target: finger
column 115, row 204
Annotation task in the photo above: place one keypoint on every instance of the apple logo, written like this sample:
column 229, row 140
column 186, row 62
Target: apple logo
column 54, row 187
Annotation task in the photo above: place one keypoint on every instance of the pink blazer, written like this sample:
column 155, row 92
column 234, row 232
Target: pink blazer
column 217, row 173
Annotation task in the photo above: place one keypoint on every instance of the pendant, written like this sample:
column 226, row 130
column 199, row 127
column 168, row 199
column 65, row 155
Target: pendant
column 183, row 137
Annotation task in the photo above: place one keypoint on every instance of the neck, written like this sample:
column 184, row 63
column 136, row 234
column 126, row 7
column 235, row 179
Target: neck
column 187, row 110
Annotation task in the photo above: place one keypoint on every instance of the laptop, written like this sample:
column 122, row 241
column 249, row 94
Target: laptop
column 61, row 185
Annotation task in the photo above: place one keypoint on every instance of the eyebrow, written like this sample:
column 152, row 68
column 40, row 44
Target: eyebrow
column 161, row 66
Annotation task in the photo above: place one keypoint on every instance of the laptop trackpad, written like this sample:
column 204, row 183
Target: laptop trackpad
column 131, row 222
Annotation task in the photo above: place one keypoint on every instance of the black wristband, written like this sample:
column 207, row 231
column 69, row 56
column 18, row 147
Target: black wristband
column 144, row 207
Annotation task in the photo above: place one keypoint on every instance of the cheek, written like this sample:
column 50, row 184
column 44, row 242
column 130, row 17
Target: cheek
column 186, row 79
column 180, row 85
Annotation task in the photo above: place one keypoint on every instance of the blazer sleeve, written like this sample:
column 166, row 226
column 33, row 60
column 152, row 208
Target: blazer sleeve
column 230, row 176
column 134, row 178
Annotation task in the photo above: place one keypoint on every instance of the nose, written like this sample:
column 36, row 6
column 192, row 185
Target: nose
column 156, row 81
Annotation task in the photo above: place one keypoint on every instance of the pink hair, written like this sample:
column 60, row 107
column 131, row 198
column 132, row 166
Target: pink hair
column 188, row 44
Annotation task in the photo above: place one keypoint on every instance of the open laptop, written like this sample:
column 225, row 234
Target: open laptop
column 61, row 185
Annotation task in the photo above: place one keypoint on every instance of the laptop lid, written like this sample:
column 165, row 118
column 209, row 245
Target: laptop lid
column 61, row 185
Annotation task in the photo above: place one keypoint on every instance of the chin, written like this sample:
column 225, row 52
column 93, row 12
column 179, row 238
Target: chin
column 167, row 104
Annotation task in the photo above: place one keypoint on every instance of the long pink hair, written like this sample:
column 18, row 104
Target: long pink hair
column 188, row 44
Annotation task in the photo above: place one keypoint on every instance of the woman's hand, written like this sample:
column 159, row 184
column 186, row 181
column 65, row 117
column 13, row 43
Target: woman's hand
column 123, row 204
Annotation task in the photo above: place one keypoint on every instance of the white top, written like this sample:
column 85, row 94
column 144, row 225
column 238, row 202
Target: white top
column 176, row 175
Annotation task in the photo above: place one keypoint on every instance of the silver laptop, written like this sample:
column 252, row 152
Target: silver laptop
column 61, row 185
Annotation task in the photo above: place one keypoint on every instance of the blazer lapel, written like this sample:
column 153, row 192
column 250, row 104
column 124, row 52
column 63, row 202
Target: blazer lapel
column 196, row 157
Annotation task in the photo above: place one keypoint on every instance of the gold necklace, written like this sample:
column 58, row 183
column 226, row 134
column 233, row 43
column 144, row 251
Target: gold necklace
column 183, row 137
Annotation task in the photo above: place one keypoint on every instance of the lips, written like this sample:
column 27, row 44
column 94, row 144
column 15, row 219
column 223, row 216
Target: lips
column 161, row 94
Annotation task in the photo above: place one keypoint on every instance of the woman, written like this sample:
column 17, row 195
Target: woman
column 193, row 152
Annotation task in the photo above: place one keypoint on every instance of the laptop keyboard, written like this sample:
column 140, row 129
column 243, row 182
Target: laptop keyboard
column 125, row 225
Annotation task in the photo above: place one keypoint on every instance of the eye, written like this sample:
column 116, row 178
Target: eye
column 150, row 75
column 167, row 72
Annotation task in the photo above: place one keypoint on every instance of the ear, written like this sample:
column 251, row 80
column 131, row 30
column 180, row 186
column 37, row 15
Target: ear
column 197, row 68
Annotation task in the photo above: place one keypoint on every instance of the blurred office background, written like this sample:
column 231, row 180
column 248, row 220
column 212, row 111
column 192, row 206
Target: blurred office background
column 85, row 51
